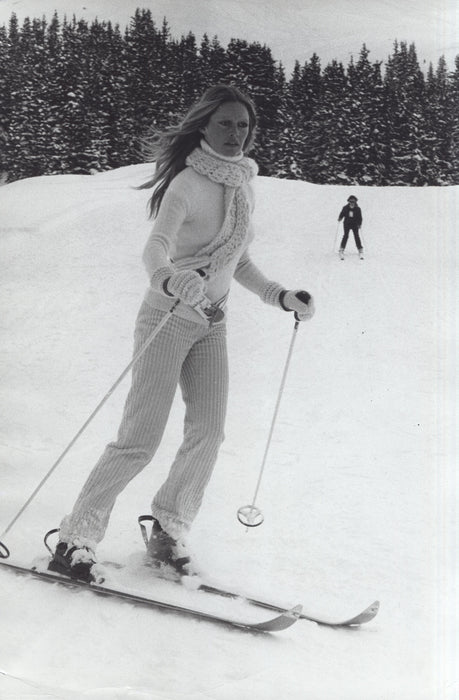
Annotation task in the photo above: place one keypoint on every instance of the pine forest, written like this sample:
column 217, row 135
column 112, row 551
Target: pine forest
column 80, row 98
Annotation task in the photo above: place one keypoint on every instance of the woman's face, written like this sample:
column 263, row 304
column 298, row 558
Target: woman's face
column 227, row 129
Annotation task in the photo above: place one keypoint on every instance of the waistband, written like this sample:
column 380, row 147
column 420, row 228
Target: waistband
column 163, row 303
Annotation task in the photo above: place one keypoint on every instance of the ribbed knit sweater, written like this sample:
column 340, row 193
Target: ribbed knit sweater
column 190, row 216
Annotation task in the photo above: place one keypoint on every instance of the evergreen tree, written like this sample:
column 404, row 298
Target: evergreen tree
column 439, row 118
column 76, row 140
column 406, row 163
column 359, row 144
column 24, row 118
column 5, row 105
column 252, row 68
column 453, row 84
column 187, row 71
column 168, row 103
column 104, row 99
column 55, row 90
column 146, row 65
column 323, row 154
column 302, row 96
column 213, row 64
column 13, row 107
column 265, row 83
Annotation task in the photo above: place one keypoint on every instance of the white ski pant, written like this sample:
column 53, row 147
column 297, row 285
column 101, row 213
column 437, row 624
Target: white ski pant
column 185, row 353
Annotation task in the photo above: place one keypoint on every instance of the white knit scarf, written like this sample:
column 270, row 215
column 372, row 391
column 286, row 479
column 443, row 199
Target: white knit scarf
column 233, row 174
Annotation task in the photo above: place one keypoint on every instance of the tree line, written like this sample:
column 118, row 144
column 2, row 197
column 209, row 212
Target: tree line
column 80, row 97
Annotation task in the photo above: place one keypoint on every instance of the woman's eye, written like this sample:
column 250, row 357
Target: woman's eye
column 227, row 124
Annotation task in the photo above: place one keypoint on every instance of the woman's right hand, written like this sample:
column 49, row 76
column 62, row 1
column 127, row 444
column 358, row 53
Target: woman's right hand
column 186, row 285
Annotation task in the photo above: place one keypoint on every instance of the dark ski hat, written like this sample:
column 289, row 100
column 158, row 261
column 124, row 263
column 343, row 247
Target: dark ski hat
column 352, row 198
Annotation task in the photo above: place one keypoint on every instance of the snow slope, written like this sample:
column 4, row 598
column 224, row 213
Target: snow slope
column 358, row 492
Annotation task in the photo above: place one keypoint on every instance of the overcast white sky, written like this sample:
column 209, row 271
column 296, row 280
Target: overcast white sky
column 293, row 29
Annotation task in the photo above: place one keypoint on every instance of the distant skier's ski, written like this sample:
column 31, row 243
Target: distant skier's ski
column 285, row 619
column 360, row 254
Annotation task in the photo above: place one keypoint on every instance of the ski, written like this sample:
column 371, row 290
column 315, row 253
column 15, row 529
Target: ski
column 280, row 622
column 360, row 618
column 355, row 621
column 360, row 254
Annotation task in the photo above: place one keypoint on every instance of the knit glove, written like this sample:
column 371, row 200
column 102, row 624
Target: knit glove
column 299, row 301
column 186, row 285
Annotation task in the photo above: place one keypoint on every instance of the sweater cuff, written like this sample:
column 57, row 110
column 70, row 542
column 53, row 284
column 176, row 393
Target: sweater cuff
column 281, row 300
column 271, row 293
column 159, row 278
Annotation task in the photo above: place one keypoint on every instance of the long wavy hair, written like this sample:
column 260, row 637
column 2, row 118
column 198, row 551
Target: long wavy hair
column 170, row 148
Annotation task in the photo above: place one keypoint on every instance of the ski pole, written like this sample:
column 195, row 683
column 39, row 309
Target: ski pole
column 250, row 515
column 336, row 237
column 4, row 552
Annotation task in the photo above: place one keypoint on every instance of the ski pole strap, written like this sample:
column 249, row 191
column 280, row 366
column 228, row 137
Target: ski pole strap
column 4, row 551
column 47, row 536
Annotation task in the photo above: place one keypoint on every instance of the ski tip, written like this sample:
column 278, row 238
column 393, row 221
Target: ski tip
column 370, row 612
column 280, row 622
column 365, row 616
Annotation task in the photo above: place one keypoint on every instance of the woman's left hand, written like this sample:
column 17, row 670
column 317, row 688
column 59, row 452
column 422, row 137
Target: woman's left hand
column 299, row 301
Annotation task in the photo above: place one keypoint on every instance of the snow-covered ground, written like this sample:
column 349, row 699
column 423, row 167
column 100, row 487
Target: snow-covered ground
column 358, row 492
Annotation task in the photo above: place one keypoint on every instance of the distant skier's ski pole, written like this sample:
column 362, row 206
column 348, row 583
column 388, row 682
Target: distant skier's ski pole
column 336, row 237
column 4, row 553
column 250, row 515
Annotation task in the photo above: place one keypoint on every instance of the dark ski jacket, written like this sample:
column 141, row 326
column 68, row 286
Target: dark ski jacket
column 351, row 217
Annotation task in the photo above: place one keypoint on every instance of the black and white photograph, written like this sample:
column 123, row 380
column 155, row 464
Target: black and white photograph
column 228, row 321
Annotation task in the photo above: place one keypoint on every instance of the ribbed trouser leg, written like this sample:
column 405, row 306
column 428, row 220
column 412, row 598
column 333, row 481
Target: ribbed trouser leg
column 204, row 385
column 184, row 352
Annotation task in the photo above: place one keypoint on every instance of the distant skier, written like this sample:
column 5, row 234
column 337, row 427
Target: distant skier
column 351, row 215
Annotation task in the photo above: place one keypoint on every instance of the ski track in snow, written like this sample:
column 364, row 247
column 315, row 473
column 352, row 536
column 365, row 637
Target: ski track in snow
column 357, row 492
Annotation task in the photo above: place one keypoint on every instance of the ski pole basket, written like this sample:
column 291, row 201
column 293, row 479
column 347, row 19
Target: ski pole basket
column 141, row 519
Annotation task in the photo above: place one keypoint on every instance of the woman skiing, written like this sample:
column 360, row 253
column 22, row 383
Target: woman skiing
column 351, row 214
column 202, row 202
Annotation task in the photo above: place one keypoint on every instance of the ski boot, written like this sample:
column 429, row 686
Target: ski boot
column 75, row 560
column 341, row 253
column 167, row 554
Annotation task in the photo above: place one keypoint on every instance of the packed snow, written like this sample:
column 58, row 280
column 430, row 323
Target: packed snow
column 358, row 490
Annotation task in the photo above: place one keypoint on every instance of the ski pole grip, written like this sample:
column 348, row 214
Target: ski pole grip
column 4, row 551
